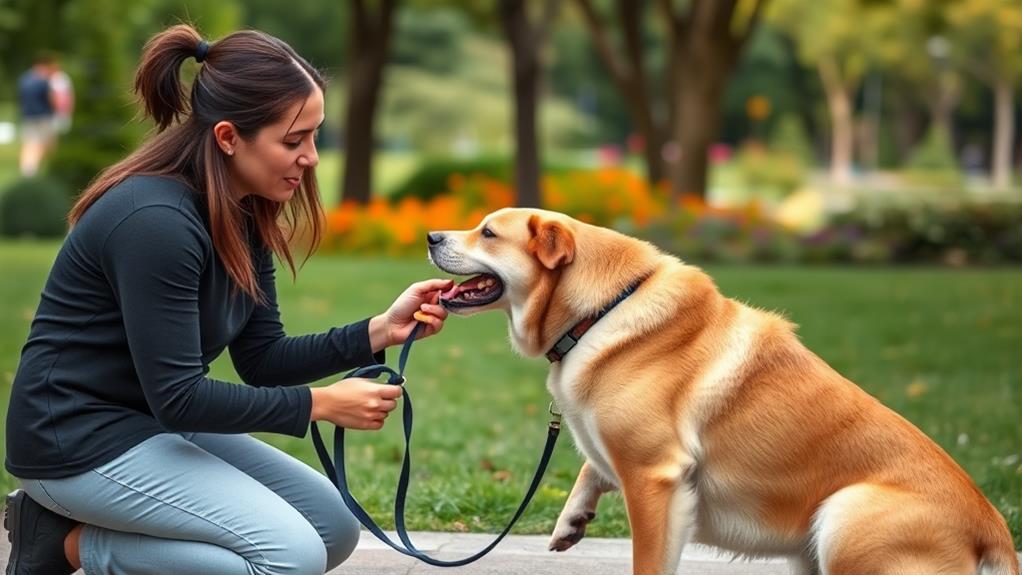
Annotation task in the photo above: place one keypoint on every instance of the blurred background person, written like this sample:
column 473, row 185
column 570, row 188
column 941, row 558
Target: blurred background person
column 62, row 95
column 36, row 104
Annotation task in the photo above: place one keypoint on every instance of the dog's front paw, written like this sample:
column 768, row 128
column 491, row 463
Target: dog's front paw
column 570, row 530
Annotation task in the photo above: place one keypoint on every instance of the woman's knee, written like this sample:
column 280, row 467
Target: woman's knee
column 291, row 550
column 338, row 529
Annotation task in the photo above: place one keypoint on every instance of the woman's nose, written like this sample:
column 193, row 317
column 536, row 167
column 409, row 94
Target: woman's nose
column 309, row 160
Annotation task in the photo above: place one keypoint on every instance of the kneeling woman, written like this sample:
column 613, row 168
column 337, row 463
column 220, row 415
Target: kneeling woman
column 131, row 460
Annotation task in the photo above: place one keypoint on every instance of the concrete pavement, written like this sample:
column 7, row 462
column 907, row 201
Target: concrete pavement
column 522, row 555
column 528, row 555
column 516, row 555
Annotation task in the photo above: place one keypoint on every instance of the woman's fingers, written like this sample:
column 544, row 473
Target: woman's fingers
column 424, row 287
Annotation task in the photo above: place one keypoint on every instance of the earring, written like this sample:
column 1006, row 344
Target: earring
column 229, row 152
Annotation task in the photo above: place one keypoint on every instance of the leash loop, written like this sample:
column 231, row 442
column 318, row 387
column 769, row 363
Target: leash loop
column 336, row 471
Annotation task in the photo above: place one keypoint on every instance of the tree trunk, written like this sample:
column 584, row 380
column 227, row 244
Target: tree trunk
column 359, row 137
column 638, row 94
column 704, row 51
column 842, row 130
column 629, row 75
column 1004, row 132
column 525, row 65
column 698, row 116
column 370, row 46
column 907, row 122
column 942, row 100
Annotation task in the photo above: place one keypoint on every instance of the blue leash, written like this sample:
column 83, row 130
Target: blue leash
column 336, row 472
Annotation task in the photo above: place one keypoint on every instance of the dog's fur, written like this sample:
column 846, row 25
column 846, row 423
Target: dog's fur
column 713, row 419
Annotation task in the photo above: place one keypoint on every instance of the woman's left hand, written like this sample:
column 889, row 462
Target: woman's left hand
column 420, row 302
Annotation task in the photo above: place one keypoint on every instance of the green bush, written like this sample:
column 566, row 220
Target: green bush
column 770, row 174
column 431, row 178
column 34, row 207
column 933, row 162
column 76, row 162
column 954, row 234
column 790, row 137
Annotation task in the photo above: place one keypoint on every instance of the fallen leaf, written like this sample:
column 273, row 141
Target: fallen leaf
column 916, row 389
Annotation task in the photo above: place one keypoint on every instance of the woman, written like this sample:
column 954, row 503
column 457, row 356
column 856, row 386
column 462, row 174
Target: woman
column 130, row 459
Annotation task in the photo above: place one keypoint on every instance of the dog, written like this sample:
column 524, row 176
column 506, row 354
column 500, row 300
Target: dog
column 711, row 417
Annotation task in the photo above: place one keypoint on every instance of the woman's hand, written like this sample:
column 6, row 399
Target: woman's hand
column 354, row 403
column 420, row 302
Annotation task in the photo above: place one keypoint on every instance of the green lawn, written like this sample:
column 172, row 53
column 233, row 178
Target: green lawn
column 939, row 346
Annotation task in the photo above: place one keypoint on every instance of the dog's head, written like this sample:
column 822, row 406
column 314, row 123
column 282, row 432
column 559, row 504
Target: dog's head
column 545, row 269
column 505, row 254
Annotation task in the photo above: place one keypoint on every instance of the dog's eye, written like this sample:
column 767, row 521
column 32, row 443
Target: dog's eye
column 488, row 233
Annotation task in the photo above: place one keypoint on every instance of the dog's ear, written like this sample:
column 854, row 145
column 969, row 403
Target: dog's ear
column 551, row 242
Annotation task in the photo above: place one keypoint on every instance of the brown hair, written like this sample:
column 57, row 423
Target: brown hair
column 249, row 79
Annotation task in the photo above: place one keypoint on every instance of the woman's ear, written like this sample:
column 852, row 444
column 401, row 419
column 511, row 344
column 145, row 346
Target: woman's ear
column 226, row 136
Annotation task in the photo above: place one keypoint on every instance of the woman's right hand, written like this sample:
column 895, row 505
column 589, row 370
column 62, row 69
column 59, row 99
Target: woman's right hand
column 354, row 403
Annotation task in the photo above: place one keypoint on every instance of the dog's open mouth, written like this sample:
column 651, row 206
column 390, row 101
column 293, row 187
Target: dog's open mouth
column 475, row 291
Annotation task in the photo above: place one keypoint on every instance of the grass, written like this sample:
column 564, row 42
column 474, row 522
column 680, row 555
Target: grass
column 938, row 346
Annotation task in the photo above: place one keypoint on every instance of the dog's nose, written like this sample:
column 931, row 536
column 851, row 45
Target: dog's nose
column 434, row 238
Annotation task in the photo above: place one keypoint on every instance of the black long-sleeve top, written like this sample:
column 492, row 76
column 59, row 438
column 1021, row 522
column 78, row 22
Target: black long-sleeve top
column 136, row 307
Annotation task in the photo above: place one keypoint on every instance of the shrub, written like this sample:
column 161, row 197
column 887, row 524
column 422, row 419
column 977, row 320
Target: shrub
column 34, row 206
column 767, row 173
column 605, row 197
column 701, row 234
column 433, row 176
column 951, row 233
column 933, row 162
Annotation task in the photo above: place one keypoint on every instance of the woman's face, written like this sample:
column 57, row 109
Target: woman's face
column 271, row 164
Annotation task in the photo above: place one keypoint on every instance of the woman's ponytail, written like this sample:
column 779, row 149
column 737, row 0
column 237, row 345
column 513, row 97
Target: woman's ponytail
column 158, row 78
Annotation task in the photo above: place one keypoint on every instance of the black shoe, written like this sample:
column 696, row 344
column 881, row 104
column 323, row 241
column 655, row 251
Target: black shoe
column 37, row 537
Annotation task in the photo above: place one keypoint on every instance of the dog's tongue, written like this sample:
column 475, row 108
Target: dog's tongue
column 463, row 286
column 449, row 294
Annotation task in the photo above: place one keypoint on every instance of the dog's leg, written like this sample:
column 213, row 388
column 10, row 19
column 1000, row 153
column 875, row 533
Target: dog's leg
column 661, row 505
column 580, row 508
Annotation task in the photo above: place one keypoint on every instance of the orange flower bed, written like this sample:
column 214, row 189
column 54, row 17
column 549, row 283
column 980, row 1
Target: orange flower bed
column 606, row 197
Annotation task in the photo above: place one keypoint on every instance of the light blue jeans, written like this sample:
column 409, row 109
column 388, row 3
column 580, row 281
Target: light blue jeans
column 203, row 503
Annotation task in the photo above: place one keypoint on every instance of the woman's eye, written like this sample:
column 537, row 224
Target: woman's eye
column 293, row 145
column 488, row 233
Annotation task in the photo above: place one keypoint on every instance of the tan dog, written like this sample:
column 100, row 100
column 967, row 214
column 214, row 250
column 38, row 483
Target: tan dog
column 713, row 419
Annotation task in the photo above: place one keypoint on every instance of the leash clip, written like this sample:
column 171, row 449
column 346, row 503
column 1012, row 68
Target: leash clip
column 555, row 423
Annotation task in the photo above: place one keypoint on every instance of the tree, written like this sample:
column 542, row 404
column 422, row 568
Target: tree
column 26, row 28
column 526, row 39
column 628, row 70
column 840, row 39
column 99, row 61
column 987, row 40
column 371, row 32
column 301, row 24
column 704, row 41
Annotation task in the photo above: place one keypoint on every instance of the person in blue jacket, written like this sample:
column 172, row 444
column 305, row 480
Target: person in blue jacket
column 37, row 111
column 131, row 460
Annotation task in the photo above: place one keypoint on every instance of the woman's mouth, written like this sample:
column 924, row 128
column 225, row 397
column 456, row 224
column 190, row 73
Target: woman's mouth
column 293, row 182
